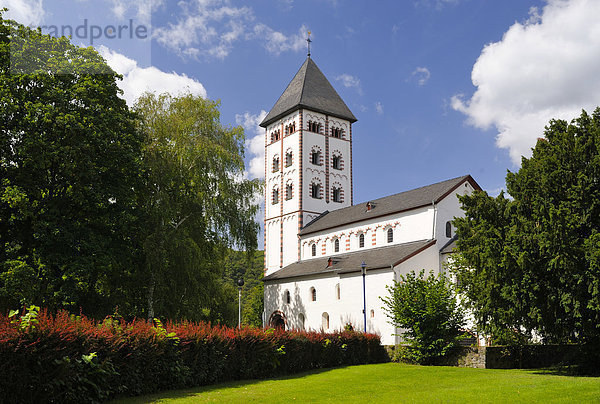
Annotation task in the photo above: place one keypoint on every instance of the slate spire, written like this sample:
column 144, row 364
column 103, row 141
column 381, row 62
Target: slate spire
column 309, row 89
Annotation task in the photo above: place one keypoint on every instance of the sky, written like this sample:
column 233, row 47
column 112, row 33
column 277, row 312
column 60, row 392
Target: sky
column 441, row 88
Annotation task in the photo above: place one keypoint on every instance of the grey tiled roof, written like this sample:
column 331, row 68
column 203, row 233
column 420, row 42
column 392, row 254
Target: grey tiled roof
column 374, row 258
column 403, row 201
column 309, row 89
column 449, row 246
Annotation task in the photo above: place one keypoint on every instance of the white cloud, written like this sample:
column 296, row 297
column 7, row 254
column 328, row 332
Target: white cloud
column 546, row 67
column 211, row 28
column 137, row 80
column 421, row 74
column 26, row 12
column 142, row 9
column 255, row 145
column 350, row 81
column 277, row 42
column 205, row 28
column 379, row 107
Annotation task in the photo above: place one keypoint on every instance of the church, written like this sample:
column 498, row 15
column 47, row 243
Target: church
column 327, row 259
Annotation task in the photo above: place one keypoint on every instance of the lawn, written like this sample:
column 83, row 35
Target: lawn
column 391, row 382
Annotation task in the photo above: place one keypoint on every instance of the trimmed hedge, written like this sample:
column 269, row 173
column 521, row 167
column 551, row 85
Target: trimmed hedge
column 66, row 359
column 585, row 358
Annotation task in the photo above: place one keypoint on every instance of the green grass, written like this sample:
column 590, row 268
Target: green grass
column 392, row 383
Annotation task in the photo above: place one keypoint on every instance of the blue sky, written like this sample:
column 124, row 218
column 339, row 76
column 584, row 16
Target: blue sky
column 441, row 88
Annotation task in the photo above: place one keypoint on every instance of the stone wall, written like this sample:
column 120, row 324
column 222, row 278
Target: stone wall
column 515, row 357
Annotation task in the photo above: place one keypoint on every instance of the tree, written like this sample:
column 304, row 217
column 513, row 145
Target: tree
column 69, row 172
column 197, row 205
column 532, row 263
column 426, row 308
column 250, row 268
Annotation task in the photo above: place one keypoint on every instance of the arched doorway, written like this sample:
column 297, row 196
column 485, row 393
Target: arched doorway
column 277, row 320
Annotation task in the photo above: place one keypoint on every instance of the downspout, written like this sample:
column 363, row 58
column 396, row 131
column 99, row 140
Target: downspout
column 433, row 235
column 434, row 218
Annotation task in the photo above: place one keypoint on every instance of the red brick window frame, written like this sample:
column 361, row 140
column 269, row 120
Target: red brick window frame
column 316, row 189
column 337, row 193
column 316, row 156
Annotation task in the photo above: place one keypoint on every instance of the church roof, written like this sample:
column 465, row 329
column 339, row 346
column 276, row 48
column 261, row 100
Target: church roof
column 403, row 201
column 309, row 89
column 450, row 246
column 375, row 258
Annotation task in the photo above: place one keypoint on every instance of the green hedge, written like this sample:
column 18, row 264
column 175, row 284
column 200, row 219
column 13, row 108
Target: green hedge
column 66, row 359
column 586, row 358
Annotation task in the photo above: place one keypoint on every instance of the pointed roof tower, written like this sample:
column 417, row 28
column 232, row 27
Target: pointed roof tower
column 309, row 89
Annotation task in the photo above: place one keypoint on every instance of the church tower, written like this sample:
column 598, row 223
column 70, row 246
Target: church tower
column 308, row 161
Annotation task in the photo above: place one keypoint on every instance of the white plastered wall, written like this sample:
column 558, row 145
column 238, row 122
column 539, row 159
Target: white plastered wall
column 413, row 225
column 346, row 310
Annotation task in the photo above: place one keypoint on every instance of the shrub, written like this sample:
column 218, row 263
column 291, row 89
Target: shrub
column 425, row 307
column 65, row 358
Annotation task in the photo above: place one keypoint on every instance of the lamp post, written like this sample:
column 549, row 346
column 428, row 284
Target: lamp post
column 240, row 283
column 363, row 268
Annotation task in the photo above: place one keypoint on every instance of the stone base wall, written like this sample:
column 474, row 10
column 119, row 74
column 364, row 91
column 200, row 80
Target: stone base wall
column 515, row 357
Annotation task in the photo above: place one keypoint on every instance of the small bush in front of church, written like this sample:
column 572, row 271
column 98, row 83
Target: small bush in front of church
column 426, row 309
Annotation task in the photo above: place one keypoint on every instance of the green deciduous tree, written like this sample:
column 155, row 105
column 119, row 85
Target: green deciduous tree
column 250, row 268
column 197, row 205
column 69, row 173
column 532, row 262
column 426, row 308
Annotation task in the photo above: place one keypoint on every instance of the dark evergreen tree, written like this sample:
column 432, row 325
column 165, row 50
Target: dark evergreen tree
column 533, row 262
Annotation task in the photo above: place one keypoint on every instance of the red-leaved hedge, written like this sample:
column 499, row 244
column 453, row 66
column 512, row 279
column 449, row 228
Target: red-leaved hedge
column 66, row 359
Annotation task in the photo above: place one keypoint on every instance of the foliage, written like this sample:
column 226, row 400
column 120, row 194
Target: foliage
column 28, row 320
column 197, row 205
column 248, row 266
column 425, row 307
column 531, row 263
column 72, row 359
column 101, row 207
column 69, row 172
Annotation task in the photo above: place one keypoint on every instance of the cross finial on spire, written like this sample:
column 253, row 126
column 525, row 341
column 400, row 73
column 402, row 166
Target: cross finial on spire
column 308, row 41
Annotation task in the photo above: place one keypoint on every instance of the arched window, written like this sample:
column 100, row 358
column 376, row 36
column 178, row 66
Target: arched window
column 390, row 235
column 288, row 159
column 275, row 135
column 361, row 240
column 314, row 127
column 286, row 297
column 336, row 245
column 336, row 162
column 301, row 320
column 336, row 194
column 315, row 157
column 289, row 191
column 315, row 190
column 372, row 313
column 336, row 132
column 325, row 321
column 313, row 250
column 313, row 294
column 275, row 195
column 337, row 291
column 448, row 229
column 275, row 163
